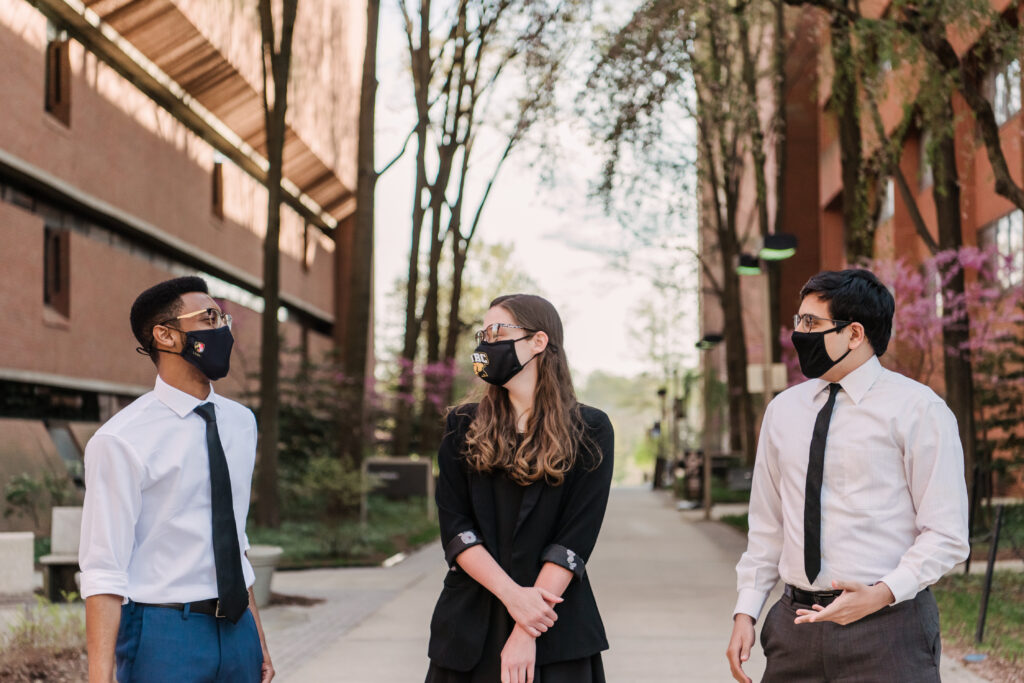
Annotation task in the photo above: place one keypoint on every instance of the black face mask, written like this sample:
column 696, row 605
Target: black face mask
column 208, row 350
column 497, row 362
column 810, row 349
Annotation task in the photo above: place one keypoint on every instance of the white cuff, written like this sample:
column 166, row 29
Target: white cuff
column 104, row 582
column 903, row 584
column 750, row 602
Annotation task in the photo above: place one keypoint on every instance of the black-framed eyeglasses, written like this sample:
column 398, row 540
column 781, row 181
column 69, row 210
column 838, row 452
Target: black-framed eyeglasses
column 808, row 320
column 211, row 316
column 490, row 333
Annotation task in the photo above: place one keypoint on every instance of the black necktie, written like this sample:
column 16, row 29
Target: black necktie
column 231, row 591
column 812, row 494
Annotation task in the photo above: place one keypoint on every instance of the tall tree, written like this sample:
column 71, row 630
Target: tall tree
column 699, row 62
column 276, row 54
column 480, row 56
column 359, row 312
column 918, row 35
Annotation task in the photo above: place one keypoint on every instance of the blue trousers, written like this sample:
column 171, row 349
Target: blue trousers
column 158, row 645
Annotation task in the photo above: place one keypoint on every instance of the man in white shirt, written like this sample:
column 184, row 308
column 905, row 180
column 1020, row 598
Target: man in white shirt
column 166, row 583
column 858, row 504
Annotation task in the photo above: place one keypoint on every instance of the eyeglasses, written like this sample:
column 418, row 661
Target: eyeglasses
column 808, row 320
column 490, row 333
column 211, row 316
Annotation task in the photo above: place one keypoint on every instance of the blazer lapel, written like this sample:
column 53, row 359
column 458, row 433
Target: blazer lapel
column 530, row 498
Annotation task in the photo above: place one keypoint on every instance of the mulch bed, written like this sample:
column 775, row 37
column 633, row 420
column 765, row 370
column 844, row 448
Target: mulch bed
column 40, row 666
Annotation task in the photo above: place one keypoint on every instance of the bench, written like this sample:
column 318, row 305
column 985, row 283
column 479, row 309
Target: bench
column 60, row 567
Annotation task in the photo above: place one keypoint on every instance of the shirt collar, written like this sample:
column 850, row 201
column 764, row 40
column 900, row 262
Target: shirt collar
column 177, row 400
column 857, row 382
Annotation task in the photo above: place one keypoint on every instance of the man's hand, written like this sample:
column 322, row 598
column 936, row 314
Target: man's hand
column 518, row 657
column 268, row 672
column 739, row 646
column 532, row 608
column 857, row 601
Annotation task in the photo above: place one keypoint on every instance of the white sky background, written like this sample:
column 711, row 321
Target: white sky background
column 558, row 233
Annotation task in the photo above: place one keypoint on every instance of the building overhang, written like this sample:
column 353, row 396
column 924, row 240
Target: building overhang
column 153, row 45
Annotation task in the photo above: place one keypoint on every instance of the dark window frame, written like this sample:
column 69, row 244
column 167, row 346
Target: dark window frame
column 58, row 80
column 57, row 270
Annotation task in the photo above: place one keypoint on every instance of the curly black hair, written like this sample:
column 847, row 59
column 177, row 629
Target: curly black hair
column 158, row 303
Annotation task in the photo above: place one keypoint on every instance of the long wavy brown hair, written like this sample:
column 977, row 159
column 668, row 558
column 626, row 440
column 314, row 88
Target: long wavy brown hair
column 555, row 435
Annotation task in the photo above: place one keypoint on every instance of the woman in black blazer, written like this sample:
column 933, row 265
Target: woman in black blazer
column 522, row 491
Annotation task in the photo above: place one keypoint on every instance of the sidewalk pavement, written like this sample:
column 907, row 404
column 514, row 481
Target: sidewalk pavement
column 665, row 586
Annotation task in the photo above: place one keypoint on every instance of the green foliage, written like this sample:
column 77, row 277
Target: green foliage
column 23, row 495
column 391, row 527
column 32, row 497
column 47, row 626
column 740, row 522
column 316, row 483
column 959, row 599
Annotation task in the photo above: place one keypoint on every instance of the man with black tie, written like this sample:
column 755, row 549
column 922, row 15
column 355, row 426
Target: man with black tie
column 164, row 573
column 858, row 504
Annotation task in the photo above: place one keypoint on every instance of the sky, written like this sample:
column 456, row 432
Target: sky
column 561, row 240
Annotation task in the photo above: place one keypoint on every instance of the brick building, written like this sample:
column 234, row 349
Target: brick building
column 132, row 151
column 812, row 200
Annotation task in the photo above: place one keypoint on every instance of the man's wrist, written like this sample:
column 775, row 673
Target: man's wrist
column 885, row 595
column 743, row 616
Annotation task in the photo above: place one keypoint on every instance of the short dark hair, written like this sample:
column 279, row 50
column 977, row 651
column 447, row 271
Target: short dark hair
column 857, row 295
column 159, row 303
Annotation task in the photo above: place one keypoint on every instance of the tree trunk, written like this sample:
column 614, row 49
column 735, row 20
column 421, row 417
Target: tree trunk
column 277, row 64
column 421, row 67
column 741, row 411
column 355, row 352
column 859, row 236
column 955, row 333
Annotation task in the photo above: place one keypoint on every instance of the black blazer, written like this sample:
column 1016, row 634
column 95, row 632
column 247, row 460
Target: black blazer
column 556, row 524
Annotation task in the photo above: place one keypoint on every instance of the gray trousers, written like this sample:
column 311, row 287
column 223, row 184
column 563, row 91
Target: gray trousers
column 899, row 643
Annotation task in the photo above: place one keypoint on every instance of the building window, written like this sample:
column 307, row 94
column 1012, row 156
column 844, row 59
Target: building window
column 217, row 186
column 57, row 270
column 1006, row 235
column 1004, row 92
column 58, row 75
column 888, row 201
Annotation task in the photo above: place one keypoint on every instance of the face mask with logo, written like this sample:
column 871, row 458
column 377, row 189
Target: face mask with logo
column 497, row 362
column 813, row 354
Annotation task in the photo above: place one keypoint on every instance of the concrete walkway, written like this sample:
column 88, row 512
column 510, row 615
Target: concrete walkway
column 665, row 586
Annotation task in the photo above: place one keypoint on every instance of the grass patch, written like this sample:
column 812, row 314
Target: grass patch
column 392, row 527
column 737, row 521
column 46, row 642
column 41, row 547
column 959, row 599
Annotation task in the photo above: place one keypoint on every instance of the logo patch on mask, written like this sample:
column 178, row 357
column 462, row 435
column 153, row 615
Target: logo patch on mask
column 480, row 363
column 199, row 347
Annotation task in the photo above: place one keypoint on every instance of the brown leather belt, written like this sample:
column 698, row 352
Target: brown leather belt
column 210, row 607
column 823, row 598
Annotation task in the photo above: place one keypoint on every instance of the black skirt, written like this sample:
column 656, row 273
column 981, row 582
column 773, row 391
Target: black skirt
column 508, row 497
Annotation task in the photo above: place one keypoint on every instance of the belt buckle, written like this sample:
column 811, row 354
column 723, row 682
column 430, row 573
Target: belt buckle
column 216, row 612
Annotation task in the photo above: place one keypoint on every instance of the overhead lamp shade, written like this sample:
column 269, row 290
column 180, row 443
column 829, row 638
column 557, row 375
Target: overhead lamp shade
column 778, row 247
column 709, row 341
column 748, row 265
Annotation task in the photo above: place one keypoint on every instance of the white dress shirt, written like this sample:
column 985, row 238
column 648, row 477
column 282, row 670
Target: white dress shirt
column 893, row 497
column 147, row 532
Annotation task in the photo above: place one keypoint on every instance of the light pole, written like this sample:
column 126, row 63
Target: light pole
column 707, row 343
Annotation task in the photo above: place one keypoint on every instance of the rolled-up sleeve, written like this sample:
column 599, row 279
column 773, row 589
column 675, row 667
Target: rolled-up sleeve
column 459, row 529
column 113, row 501
column 934, row 464
column 582, row 514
